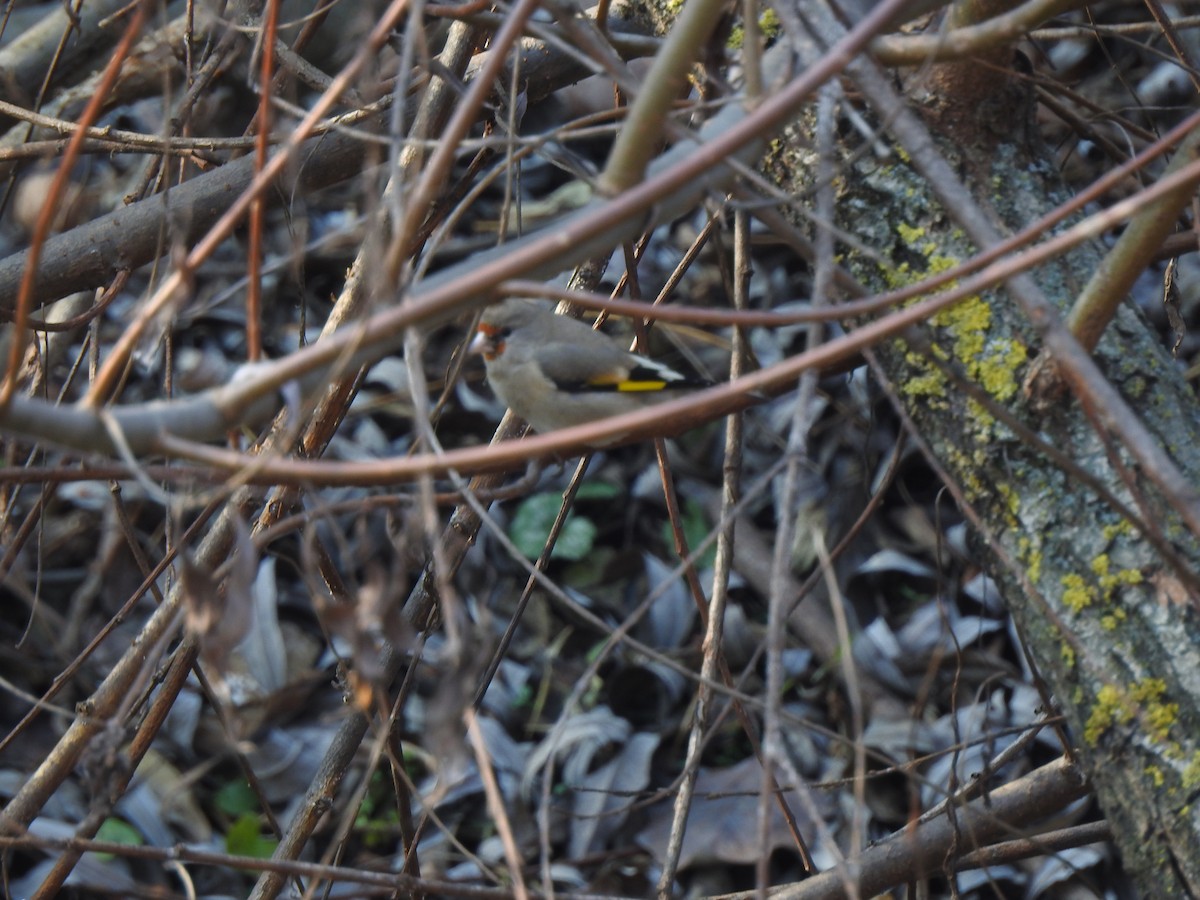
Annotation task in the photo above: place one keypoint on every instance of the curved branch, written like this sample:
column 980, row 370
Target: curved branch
column 914, row 852
column 917, row 49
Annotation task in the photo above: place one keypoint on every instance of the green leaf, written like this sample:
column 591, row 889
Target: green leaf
column 577, row 539
column 117, row 831
column 530, row 527
column 244, row 838
column 592, row 570
column 695, row 530
column 235, row 798
column 597, row 490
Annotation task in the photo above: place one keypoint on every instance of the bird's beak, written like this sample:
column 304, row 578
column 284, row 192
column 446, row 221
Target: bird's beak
column 486, row 342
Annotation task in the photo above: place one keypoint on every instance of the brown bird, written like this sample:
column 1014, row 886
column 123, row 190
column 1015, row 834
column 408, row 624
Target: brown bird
column 554, row 371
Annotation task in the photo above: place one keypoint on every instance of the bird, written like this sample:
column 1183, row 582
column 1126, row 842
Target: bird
column 555, row 371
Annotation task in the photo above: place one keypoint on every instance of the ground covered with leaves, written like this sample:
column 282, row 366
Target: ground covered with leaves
column 445, row 721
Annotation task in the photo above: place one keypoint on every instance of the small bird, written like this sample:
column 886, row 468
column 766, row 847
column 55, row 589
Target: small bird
column 554, row 371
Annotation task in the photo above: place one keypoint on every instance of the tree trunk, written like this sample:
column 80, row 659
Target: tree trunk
column 1096, row 564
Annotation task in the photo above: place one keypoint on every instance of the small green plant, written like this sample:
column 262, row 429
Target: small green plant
column 234, row 798
column 245, row 838
column 378, row 820
column 118, row 831
column 530, row 526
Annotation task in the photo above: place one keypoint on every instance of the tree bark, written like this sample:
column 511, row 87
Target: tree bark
column 1095, row 562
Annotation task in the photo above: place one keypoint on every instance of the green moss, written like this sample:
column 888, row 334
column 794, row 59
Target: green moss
column 1127, row 577
column 1116, row 707
column 1068, row 657
column 929, row 385
column 1029, row 554
column 1109, row 580
column 898, row 276
column 1156, row 775
column 927, row 382
column 967, row 466
column 1111, row 621
column 1120, row 529
column 963, row 335
column 769, row 23
column 910, row 234
column 1077, row 595
column 1191, row 773
column 1108, row 710
column 998, row 367
column 1011, row 500
column 990, row 361
column 969, row 322
column 1159, row 716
